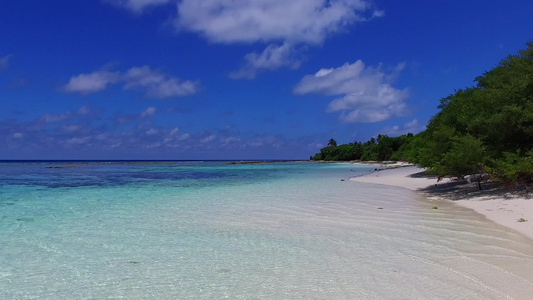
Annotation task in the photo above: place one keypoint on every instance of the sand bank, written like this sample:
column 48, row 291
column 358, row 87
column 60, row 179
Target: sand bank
column 511, row 209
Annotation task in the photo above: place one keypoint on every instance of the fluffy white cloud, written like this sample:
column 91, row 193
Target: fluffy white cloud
column 90, row 83
column 54, row 118
column 273, row 22
column 151, row 131
column 4, row 61
column 267, row 141
column 208, row 139
column 173, row 139
column 230, row 141
column 272, row 58
column 137, row 6
column 78, row 141
column 174, row 131
column 150, row 111
column 409, row 127
column 84, row 110
column 366, row 92
column 289, row 22
column 378, row 13
column 70, row 128
column 229, row 21
column 156, row 84
column 184, row 136
column 305, row 21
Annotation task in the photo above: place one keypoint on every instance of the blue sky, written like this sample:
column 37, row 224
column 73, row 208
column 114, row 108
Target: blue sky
column 248, row 79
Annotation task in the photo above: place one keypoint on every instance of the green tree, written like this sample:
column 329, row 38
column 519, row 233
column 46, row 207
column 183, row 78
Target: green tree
column 382, row 148
column 485, row 128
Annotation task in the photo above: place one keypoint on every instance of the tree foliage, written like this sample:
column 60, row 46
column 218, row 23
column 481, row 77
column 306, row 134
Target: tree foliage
column 380, row 149
column 487, row 128
column 332, row 142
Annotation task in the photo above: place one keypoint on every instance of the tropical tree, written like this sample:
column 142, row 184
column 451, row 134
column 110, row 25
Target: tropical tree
column 485, row 128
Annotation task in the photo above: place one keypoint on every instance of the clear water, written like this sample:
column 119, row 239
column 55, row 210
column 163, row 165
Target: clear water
column 213, row 230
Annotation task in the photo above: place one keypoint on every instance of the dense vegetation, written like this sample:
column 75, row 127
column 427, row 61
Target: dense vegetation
column 485, row 129
column 380, row 149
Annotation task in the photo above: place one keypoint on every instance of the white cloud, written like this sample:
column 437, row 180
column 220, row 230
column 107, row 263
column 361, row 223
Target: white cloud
column 150, row 111
column 362, row 115
column 70, row 128
column 230, row 21
column 91, row 83
column 273, row 22
column 172, row 88
column 84, row 110
column 54, row 118
column 230, row 141
column 290, row 23
column 151, row 131
column 4, row 61
column 77, row 141
column 366, row 92
column 299, row 21
column 207, row 139
column 137, row 6
column 378, row 13
column 412, row 124
column 409, row 127
column 266, row 141
column 174, row 131
column 272, row 58
column 152, row 145
column 157, row 84
column 101, row 137
column 173, row 139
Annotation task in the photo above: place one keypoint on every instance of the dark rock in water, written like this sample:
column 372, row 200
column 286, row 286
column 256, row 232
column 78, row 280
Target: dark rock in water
column 61, row 167
column 25, row 219
column 342, row 179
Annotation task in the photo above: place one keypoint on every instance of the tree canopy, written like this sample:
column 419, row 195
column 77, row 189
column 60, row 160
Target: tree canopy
column 487, row 128
column 380, row 149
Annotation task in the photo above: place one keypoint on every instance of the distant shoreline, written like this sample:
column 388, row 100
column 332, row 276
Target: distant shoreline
column 99, row 162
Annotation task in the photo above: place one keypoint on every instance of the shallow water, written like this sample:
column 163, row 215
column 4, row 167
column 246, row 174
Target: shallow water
column 211, row 230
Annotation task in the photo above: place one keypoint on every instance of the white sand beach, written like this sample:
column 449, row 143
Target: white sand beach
column 511, row 209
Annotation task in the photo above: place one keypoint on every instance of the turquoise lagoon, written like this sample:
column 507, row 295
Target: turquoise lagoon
column 215, row 230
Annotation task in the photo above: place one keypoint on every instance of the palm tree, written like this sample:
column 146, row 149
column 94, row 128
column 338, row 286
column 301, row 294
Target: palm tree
column 332, row 142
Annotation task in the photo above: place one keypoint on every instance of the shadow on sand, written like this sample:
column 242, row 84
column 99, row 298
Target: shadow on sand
column 463, row 190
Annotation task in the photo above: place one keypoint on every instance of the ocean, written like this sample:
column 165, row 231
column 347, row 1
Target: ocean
column 222, row 230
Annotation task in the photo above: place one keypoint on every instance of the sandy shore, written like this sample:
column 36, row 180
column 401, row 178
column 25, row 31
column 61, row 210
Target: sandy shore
column 511, row 209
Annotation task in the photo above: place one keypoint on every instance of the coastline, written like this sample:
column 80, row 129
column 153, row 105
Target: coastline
column 511, row 209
